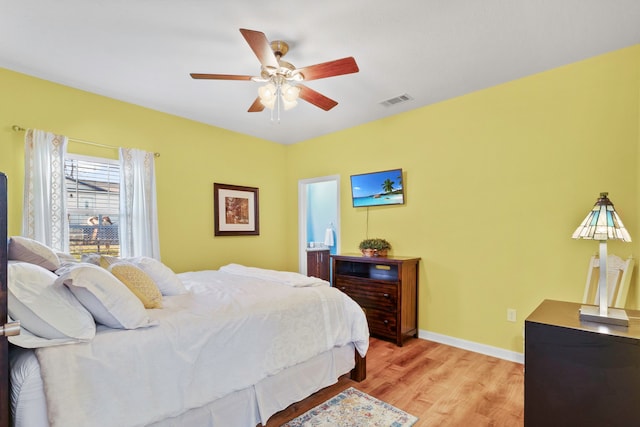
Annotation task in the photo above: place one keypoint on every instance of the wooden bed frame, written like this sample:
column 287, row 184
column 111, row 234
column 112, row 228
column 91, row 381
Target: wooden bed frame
column 359, row 372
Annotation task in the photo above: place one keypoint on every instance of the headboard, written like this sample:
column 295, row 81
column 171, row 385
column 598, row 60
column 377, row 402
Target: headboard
column 4, row 344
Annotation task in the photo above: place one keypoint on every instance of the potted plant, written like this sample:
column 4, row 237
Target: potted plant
column 374, row 247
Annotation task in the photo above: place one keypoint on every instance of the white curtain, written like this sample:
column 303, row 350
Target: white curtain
column 44, row 212
column 138, row 211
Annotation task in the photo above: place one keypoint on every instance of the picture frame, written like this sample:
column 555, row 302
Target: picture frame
column 235, row 210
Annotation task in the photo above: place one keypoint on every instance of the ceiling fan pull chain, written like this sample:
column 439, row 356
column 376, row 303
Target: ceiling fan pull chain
column 278, row 96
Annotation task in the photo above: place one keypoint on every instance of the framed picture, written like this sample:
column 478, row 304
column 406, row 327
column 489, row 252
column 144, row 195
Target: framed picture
column 235, row 210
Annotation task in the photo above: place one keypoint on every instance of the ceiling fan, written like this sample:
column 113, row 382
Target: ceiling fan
column 283, row 80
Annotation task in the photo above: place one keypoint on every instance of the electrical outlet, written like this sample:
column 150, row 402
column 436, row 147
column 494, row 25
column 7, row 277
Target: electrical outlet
column 511, row 314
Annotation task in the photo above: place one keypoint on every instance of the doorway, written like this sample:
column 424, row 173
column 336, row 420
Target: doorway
column 318, row 216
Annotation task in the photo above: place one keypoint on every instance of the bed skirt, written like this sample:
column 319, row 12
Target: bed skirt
column 247, row 407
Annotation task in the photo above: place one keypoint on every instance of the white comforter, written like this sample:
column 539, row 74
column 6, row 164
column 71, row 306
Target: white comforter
column 229, row 332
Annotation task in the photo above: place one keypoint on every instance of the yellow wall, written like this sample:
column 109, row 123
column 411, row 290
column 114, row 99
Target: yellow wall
column 193, row 157
column 496, row 182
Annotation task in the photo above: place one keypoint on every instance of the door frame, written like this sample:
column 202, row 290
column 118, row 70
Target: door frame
column 303, row 187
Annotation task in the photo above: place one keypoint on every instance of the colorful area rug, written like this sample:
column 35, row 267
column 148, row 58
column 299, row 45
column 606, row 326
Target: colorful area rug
column 353, row 408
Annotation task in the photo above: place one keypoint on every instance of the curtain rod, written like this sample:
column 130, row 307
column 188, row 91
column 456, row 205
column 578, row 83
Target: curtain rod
column 17, row 128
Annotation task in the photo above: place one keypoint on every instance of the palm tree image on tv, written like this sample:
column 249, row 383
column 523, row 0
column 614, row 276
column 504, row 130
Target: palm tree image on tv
column 387, row 186
column 377, row 188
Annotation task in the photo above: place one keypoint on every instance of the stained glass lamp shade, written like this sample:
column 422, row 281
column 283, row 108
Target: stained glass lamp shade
column 603, row 223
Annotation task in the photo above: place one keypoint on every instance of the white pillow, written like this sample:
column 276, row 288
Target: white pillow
column 164, row 277
column 33, row 252
column 28, row 340
column 66, row 258
column 46, row 310
column 91, row 258
column 107, row 299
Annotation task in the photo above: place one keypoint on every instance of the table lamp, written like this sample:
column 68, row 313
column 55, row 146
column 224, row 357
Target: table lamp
column 602, row 224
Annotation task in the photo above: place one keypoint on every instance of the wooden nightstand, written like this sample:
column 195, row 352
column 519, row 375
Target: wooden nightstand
column 580, row 373
column 387, row 290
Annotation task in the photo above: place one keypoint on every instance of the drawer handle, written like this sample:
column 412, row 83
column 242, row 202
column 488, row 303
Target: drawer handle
column 386, row 322
column 342, row 288
column 385, row 295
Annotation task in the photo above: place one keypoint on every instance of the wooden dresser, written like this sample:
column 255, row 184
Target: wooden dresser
column 387, row 290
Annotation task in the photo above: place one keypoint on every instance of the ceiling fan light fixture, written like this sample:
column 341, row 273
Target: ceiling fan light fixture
column 288, row 104
column 267, row 94
column 289, row 96
column 290, row 93
column 269, row 104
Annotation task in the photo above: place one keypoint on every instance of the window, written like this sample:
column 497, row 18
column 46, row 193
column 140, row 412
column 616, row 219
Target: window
column 93, row 204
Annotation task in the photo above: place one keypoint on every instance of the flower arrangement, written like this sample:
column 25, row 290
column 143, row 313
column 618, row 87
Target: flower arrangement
column 374, row 247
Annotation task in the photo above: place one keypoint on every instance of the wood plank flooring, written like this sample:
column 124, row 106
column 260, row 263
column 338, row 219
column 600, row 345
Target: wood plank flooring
column 441, row 385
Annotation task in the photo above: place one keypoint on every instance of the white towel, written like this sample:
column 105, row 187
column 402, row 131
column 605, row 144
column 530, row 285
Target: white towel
column 328, row 237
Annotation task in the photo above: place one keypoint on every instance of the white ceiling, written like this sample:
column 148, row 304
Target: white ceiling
column 142, row 51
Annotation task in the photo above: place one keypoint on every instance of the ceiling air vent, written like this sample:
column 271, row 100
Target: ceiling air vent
column 396, row 100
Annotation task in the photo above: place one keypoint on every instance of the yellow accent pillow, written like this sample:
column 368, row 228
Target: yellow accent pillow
column 105, row 261
column 138, row 282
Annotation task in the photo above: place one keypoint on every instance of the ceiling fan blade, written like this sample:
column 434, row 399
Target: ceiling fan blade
column 330, row 69
column 261, row 47
column 316, row 98
column 219, row 76
column 256, row 107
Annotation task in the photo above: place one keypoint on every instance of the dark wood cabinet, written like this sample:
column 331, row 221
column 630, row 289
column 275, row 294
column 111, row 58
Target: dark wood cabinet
column 580, row 373
column 318, row 263
column 387, row 290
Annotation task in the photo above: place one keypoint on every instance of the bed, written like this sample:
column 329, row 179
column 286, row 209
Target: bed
column 226, row 347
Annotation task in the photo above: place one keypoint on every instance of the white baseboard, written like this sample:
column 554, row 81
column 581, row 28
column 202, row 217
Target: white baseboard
column 500, row 353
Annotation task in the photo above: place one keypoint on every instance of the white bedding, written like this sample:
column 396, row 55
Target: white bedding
column 288, row 278
column 228, row 333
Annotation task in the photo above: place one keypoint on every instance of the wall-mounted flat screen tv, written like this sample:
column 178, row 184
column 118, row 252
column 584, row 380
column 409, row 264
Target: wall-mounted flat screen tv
column 377, row 188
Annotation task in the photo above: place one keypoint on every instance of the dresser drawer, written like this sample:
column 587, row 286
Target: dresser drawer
column 381, row 322
column 371, row 294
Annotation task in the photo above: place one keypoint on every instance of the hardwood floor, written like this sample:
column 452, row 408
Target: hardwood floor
column 441, row 385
